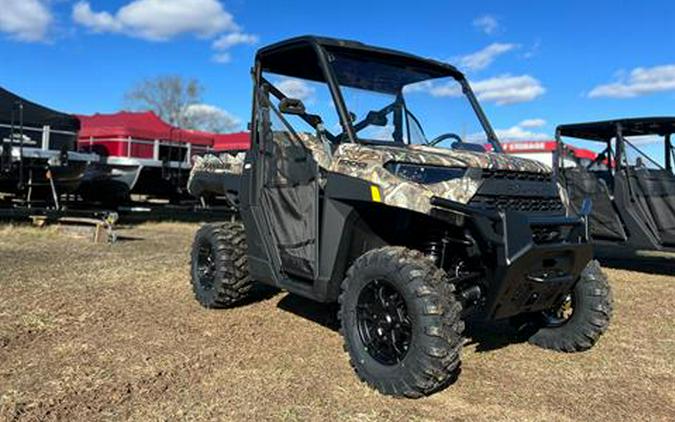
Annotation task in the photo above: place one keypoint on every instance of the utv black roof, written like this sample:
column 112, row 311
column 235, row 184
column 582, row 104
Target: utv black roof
column 380, row 69
column 606, row 129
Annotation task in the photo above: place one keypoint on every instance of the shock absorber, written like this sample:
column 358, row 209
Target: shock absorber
column 432, row 248
column 436, row 248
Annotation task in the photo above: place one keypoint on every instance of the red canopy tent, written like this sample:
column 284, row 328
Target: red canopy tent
column 133, row 134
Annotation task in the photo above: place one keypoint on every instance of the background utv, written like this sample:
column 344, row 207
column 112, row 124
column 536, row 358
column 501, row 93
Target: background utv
column 410, row 238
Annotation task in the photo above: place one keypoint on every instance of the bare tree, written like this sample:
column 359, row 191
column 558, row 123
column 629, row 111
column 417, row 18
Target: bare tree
column 211, row 119
column 177, row 101
column 168, row 96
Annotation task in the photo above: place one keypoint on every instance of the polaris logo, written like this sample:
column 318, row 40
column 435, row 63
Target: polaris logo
column 513, row 188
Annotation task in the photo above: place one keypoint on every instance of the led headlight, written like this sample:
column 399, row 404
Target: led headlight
column 424, row 174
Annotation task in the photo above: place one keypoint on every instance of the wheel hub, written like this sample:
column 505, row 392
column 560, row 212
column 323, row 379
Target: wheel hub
column 206, row 266
column 383, row 322
column 560, row 315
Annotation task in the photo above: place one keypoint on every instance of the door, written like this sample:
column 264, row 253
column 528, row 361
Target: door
column 289, row 194
column 582, row 184
column 654, row 190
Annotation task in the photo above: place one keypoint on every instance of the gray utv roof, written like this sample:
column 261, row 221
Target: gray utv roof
column 380, row 69
column 606, row 129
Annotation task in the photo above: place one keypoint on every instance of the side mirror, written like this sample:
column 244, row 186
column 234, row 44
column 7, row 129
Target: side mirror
column 296, row 107
column 376, row 119
column 292, row 106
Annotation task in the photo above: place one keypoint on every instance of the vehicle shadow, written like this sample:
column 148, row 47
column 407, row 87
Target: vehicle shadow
column 659, row 263
column 491, row 336
column 486, row 337
column 259, row 292
column 324, row 314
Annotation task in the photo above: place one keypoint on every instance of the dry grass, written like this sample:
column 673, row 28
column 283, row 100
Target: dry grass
column 95, row 332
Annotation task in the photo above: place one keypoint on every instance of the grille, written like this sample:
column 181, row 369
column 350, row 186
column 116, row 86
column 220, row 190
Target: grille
column 515, row 175
column 518, row 203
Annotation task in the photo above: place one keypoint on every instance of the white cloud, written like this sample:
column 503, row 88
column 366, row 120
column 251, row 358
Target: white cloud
column 531, row 123
column 158, row 20
column 640, row 81
column 424, row 86
column 533, row 50
column 223, row 57
column 644, row 140
column 295, row 88
column 502, row 90
column 507, row 89
column 484, row 58
column 486, row 23
column 212, row 118
column 25, row 20
column 96, row 21
column 519, row 133
column 449, row 89
column 513, row 133
column 225, row 42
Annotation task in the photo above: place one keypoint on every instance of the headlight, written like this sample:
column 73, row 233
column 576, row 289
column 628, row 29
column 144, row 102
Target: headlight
column 424, row 174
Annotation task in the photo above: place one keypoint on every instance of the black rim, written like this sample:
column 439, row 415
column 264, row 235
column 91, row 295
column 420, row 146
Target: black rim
column 383, row 322
column 561, row 314
column 206, row 266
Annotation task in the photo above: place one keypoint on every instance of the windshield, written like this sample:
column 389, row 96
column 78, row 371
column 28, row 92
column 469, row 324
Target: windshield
column 640, row 151
column 407, row 106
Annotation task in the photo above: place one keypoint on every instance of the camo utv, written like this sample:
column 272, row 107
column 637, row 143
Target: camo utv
column 342, row 197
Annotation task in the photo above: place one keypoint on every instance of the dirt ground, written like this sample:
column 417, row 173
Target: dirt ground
column 97, row 332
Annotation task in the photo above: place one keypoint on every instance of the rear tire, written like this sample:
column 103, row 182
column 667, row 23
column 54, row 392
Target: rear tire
column 424, row 304
column 591, row 313
column 219, row 264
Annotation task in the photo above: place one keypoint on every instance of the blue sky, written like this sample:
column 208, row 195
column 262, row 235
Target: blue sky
column 541, row 63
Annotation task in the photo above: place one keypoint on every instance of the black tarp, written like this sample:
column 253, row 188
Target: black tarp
column 34, row 115
column 63, row 127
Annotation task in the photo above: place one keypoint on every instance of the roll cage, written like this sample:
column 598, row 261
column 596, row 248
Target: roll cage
column 314, row 58
column 614, row 133
column 632, row 205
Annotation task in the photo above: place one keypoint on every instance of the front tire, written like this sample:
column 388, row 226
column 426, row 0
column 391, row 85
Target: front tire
column 401, row 322
column 591, row 302
column 219, row 264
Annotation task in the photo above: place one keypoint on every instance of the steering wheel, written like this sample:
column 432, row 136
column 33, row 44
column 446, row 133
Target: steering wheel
column 437, row 140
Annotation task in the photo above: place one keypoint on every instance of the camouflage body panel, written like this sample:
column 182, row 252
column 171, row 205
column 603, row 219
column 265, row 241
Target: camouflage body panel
column 225, row 163
column 422, row 154
column 210, row 163
column 320, row 150
column 367, row 163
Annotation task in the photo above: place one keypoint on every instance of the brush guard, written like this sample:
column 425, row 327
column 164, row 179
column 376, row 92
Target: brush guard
column 529, row 273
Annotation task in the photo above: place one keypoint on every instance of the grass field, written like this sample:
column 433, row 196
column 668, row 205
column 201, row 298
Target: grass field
column 92, row 332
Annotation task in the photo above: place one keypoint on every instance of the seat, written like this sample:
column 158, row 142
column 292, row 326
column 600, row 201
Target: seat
column 318, row 149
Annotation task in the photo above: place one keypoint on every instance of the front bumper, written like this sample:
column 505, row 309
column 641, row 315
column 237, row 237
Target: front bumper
column 533, row 260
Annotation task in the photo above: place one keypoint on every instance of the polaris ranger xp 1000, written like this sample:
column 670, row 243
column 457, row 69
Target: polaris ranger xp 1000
column 344, row 197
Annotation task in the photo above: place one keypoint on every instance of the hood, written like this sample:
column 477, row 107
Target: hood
column 366, row 162
column 423, row 154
